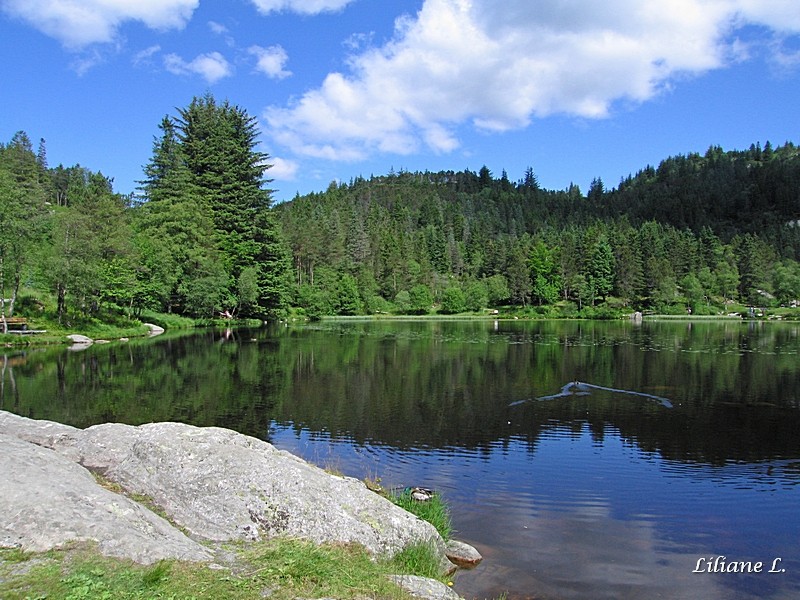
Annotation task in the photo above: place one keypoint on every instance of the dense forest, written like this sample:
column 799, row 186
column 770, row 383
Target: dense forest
column 202, row 238
column 698, row 232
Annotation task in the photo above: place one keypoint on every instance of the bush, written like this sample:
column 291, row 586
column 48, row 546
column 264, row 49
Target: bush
column 421, row 300
column 402, row 302
column 453, row 301
column 476, row 295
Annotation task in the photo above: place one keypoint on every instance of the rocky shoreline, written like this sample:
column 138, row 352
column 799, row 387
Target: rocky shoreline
column 210, row 484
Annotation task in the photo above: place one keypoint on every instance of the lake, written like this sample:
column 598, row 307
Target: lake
column 585, row 460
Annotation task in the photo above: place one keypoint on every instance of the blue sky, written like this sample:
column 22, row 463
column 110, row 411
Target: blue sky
column 575, row 89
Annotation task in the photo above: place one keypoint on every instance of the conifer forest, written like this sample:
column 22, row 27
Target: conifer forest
column 203, row 236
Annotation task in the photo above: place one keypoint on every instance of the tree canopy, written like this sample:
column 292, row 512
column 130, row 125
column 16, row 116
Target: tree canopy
column 202, row 238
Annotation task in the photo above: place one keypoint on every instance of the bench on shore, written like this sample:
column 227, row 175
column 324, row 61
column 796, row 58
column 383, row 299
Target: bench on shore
column 20, row 323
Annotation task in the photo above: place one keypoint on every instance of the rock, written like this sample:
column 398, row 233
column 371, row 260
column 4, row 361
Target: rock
column 462, row 554
column 221, row 485
column 154, row 329
column 41, row 433
column 79, row 342
column 47, row 500
column 422, row 587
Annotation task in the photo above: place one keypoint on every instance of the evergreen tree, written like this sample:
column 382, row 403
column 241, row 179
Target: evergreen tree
column 206, row 159
column 600, row 268
column 175, row 234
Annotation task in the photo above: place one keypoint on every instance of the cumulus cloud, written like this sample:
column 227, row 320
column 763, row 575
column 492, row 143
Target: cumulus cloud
column 305, row 7
column 271, row 61
column 282, row 169
column 497, row 67
column 211, row 66
column 78, row 23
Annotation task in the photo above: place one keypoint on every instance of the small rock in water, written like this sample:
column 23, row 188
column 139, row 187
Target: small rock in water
column 462, row 554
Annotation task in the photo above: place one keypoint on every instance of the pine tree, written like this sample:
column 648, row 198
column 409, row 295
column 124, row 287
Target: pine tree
column 176, row 235
column 600, row 271
column 218, row 142
column 206, row 160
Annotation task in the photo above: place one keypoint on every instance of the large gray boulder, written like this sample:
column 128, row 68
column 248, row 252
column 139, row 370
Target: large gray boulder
column 47, row 500
column 219, row 485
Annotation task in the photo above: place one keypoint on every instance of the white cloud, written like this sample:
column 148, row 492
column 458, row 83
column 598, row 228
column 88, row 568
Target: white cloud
column 306, row 7
column 271, row 61
column 497, row 67
column 217, row 28
column 211, row 66
column 144, row 57
column 86, row 61
column 282, row 169
column 222, row 31
column 78, row 23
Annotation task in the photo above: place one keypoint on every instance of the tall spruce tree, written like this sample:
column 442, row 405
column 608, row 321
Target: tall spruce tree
column 176, row 236
column 207, row 157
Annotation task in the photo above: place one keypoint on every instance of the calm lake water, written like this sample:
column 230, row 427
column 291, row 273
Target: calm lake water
column 682, row 444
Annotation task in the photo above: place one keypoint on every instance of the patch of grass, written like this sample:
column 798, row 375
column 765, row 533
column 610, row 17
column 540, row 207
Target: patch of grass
column 435, row 511
column 282, row 569
column 420, row 559
column 14, row 555
column 296, row 568
column 80, row 572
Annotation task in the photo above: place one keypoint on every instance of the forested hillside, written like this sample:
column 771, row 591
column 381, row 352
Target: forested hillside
column 202, row 238
column 695, row 232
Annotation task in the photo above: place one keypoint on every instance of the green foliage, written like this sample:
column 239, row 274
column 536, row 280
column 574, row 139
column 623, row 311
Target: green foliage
column 402, row 302
column 600, row 268
column 204, row 237
column 453, row 301
column 435, row 511
column 420, row 560
column 205, row 166
column 476, row 295
column 287, row 568
column 497, row 290
column 636, row 242
column 23, row 217
column 420, row 300
column 544, row 274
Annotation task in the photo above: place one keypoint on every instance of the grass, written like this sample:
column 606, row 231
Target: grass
column 418, row 560
column 80, row 572
column 283, row 569
column 435, row 511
